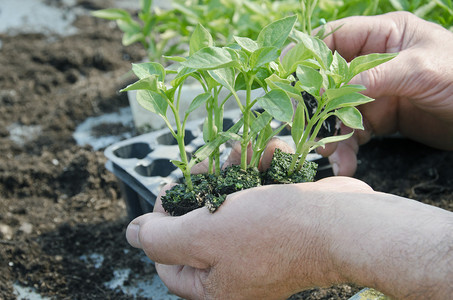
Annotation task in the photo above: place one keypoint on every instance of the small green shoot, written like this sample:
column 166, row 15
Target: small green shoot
column 154, row 29
column 325, row 76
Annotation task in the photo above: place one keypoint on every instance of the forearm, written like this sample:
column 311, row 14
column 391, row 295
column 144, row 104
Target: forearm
column 398, row 246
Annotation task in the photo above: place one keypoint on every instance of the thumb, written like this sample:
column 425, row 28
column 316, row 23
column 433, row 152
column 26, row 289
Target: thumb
column 344, row 157
column 387, row 79
column 167, row 240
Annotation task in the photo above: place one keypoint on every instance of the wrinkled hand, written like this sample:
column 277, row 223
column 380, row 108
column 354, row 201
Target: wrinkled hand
column 413, row 92
column 262, row 243
column 273, row 241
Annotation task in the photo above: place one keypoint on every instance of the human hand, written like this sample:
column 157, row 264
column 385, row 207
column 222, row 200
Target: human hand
column 413, row 92
column 262, row 243
column 273, row 241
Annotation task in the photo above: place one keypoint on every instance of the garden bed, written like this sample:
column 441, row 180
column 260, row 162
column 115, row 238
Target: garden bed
column 58, row 203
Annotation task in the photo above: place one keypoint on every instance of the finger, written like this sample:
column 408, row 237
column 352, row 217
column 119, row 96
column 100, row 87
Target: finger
column 169, row 240
column 366, row 34
column 347, row 183
column 360, row 137
column 158, row 204
column 327, row 150
column 383, row 80
column 183, row 281
column 201, row 167
column 268, row 153
column 344, row 159
column 235, row 155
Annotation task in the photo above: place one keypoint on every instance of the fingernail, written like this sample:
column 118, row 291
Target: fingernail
column 132, row 235
column 335, row 169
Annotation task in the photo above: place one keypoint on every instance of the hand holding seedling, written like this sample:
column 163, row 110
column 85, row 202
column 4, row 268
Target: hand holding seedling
column 310, row 69
column 316, row 234
column 414, row 91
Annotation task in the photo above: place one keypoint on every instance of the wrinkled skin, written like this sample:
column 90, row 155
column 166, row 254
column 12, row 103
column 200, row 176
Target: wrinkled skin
column 413, row 92
column 273, row 241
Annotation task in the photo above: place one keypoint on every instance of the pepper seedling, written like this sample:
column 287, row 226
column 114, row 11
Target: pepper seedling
column 309, row 67
column 325, row 76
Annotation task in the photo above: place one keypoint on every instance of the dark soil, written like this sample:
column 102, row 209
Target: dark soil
column 58, row 202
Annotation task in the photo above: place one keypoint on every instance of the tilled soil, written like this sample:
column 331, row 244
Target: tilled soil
column 58, row 202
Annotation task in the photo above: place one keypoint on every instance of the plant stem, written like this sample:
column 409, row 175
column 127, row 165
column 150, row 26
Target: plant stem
column 246, row 126
column 301, row 148
column 298, row 160
column 211, row 133
column 218, row 120
column 185, row 171
column 307, row 149
column 180, row 132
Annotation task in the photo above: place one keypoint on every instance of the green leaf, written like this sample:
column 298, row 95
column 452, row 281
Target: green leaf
column 264, row 137
column 330, row 139
column 317, row 48
column 339, row 67
column 343, row 90
column 211, row 58
column 224, row 76
column 312, row 63
column 150, row 68
column 210, row 82
column 197, row 101
column 350, row 116
column 276, row 33
column 179, row 164
column 111, row 14
column 268, row 133
column 175, row 58
column 298, row 126
column 246, row 43
column 366, row 62
column 424, row 10
column 278, row 104
column 231, row 136
column 243, row 57
column 260, row 78
column 275, row 82
column 400, row 4
column 240, row 84
column 260, row 123
column 185, row 10
column 200, row 39
column 131, row 37
column 181, row 76
column 294, row 57
column 206, row 131
column 310, row 79
column 145, row 5
column 153, row 102
column 206, row 150
column 263, row 56
column 347, row 100
column 147, row 83
column 129, row 26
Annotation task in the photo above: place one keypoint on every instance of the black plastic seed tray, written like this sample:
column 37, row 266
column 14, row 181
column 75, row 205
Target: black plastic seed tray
column 142, row 163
